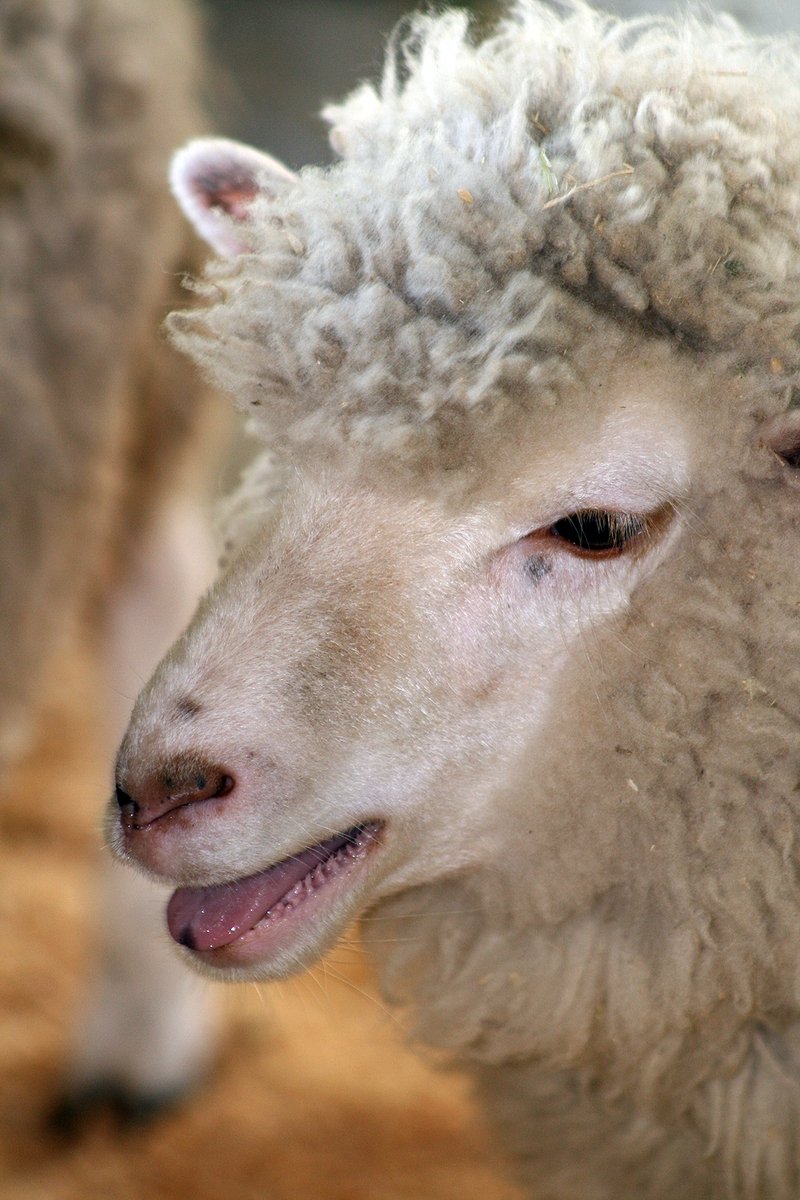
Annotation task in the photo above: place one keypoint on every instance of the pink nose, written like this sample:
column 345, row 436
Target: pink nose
column 172, row 786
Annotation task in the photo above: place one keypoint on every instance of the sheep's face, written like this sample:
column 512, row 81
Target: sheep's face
column 338, row 721
column 350, row 712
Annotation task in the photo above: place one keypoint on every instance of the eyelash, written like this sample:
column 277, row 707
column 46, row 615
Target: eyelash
column 598, row 533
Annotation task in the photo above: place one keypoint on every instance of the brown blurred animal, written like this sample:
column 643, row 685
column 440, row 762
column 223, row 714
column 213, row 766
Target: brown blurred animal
column 101, row 436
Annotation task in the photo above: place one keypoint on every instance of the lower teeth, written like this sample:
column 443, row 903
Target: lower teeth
column 316, row 877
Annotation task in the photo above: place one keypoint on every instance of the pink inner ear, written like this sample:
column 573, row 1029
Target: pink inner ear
column 217, row 182
column 230, row 191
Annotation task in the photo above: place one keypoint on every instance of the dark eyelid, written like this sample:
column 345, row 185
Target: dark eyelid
column 583, row 530
column 628, row 532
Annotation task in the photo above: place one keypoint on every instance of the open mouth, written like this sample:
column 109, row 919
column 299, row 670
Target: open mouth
column 254, row 911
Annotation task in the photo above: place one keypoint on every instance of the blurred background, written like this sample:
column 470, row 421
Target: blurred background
column 281, row 60
column 313, row 1091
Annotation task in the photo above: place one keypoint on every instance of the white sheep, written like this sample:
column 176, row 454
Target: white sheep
column 100, row 425
column 505, row 659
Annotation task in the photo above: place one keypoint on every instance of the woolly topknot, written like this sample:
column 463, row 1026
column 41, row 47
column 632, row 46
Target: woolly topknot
column 496, row 200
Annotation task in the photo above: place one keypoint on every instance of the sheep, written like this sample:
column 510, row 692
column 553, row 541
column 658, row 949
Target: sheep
column 504, row 658
column 101, row 445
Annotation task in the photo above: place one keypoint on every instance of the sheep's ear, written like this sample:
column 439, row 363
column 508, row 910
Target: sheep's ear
column 215, row 181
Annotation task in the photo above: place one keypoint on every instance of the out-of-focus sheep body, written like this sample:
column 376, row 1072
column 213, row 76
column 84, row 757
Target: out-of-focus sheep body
column 555, row 276
column 101, row 454
column 90, row 101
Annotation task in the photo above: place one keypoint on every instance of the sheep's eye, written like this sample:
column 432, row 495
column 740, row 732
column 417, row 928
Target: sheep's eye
column 599, row 533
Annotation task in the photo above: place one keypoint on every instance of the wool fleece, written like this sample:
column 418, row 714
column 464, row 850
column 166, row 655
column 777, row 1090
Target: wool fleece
column 505, row 655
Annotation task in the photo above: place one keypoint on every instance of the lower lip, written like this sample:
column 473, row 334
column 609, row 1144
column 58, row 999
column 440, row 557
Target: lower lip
column 316, row 900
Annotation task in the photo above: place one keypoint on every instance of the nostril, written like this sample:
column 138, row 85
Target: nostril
column 782, row 436
column 790, row 454
column 178, row 784
column 224, row 786
column 123, row 799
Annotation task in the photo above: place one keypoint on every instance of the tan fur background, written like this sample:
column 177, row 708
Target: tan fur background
column 314, row 1093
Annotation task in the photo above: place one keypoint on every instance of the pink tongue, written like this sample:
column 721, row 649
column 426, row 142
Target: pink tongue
column 206, row 918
